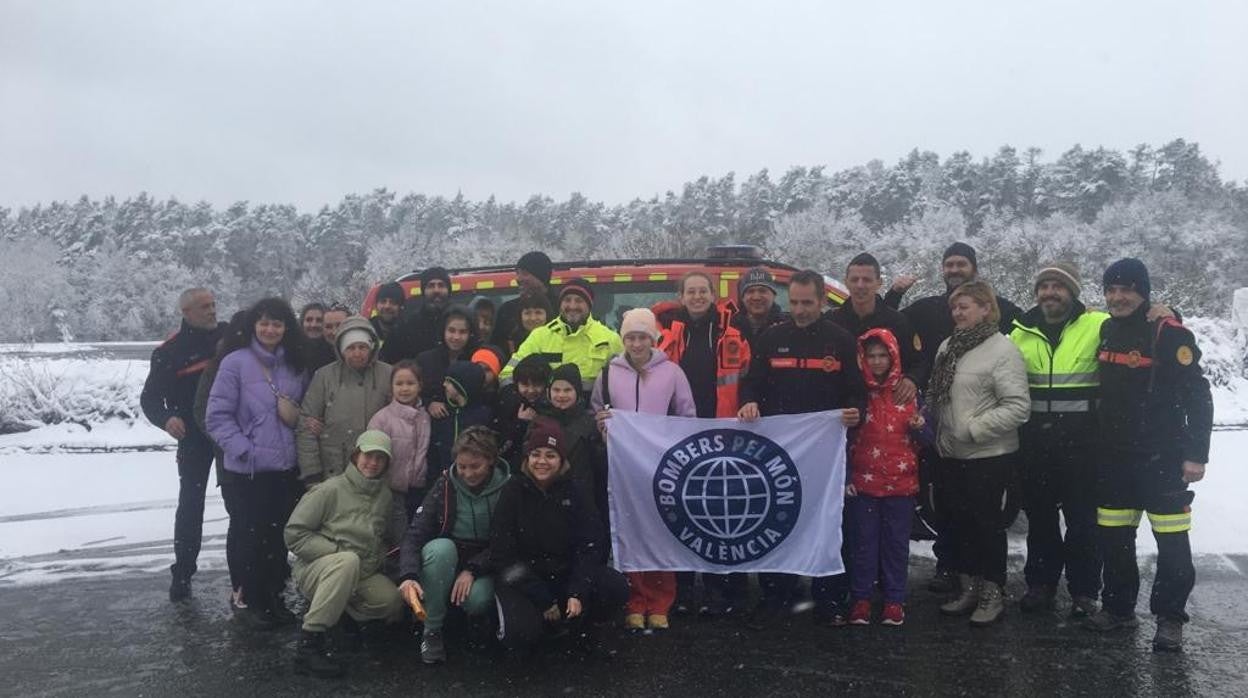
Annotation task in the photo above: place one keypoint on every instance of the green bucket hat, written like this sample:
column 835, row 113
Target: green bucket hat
column 372, row 441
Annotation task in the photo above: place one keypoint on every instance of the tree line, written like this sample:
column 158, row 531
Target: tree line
column 109, row 269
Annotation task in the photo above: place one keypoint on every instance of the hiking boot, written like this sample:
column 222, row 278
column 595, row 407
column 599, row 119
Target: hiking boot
column 894, row 614
column 1038, row 598
column 657, row 621
column 1169, row 636
column 1104, row 621
column 832, row 615
column 1082, row 607
column 432, row 647
column 943, row 582
column 635, row 622
column 180, row 589
column 967, row 600
column 860, row 613
column 313, row 658
column 683, row 605
column 991, row 605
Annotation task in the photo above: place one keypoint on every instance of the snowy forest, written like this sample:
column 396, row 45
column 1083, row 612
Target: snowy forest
column 111, row 270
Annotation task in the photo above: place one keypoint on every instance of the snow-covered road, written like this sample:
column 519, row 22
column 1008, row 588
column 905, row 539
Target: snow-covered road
column 65, row 515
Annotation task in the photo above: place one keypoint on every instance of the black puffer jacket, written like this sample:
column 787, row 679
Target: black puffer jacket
column 553, row 537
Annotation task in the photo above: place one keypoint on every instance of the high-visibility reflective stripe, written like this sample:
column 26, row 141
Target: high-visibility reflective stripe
column 196, row 367
column 1130, row 360
column 1044, row 380
column 729, row 379
column 1171, row 523
column 622, row 277
column 1114, row 518
column 661, row 276
column 1061, row 405
column 485, row 284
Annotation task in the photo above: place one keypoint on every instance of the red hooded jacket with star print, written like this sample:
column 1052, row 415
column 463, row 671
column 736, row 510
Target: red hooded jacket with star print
column 884, row 457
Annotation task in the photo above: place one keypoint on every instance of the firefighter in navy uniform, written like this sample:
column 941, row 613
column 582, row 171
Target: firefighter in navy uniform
column 1156, row 415
column 168, row 401
column 804, row 364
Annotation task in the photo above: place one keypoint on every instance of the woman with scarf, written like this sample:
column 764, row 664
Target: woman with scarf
column 978, row 392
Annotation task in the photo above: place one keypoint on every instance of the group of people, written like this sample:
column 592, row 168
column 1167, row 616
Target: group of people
column 443, row 457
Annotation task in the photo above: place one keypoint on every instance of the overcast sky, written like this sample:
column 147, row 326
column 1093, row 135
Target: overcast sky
column 303, row 102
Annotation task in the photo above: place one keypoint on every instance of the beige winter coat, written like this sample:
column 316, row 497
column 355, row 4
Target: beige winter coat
column 989, row 400
column 343, row 399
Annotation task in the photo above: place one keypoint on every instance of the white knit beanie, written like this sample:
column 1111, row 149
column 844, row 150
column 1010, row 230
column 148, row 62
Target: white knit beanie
column 639, row 320
column 355, row 335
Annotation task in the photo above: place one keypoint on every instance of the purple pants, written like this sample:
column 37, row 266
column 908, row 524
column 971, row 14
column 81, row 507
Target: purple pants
column 881, row 545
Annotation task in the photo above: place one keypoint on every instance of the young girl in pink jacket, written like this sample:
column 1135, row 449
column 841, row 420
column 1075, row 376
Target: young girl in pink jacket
column 643, row 379
column 406, row 422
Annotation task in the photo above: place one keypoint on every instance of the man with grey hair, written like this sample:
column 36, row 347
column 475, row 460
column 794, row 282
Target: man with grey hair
column 168, row 400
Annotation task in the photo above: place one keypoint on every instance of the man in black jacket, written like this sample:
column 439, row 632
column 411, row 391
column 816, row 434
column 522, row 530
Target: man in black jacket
column 805, row 364
column 757, row 308
column 168, row 401
column 420, row 330
column 865, row 310
column 933, row 324
column 1155, row 419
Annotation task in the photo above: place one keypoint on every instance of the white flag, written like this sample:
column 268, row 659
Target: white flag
column 721, row 495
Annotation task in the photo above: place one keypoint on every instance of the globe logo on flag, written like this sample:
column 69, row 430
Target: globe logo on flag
column 728, row 495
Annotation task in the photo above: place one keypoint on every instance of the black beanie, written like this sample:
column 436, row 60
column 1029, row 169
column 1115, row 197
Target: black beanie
column 537, row 264
column 567, row 372
column 1128, row 272
column 434, row 273
column 961, row 249
column 580, row 287
column 393, row 291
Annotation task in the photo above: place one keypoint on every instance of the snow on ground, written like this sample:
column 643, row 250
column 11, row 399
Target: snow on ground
column 66, row 515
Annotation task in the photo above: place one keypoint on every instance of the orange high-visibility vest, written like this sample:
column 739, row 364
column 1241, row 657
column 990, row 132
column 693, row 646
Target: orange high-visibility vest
column 732, row 359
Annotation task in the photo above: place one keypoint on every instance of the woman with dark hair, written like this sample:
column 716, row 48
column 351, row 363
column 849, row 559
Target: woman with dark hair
column 252, row 406
column 534, row 311
column 312, row 320
column 459, row 341
column 548, row 550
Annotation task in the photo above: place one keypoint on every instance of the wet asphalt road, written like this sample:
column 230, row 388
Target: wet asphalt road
column 121, row 636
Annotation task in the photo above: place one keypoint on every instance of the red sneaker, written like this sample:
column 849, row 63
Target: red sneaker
column 894, row 614
column 860, row 613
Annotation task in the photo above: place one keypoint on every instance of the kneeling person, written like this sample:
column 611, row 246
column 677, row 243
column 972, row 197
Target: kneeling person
column 336, row 535
column 547, row 543
column 446, row 554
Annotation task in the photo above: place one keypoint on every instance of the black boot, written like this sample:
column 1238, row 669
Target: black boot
column 312, row 657
column 278, row 611
column 180, row 589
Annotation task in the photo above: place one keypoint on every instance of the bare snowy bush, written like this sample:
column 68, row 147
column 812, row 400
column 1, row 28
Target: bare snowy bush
column 53, row 392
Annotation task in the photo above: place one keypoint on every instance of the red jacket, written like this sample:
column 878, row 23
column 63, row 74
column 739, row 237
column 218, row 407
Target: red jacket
column 884, row 458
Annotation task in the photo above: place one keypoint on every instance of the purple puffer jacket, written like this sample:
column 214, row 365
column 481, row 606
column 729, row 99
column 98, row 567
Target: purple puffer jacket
column 660, row 388
column 242, row 411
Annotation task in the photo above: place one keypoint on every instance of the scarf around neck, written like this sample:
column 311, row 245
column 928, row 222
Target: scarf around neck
column 946, row 365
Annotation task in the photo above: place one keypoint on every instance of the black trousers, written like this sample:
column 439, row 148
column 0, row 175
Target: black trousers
column 264, row 502
column 233, row 558
column 1059, row 481
column 982, row 503
column 1130, row 487
column 936, row 509
column 195, row 454
column 520, row 622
